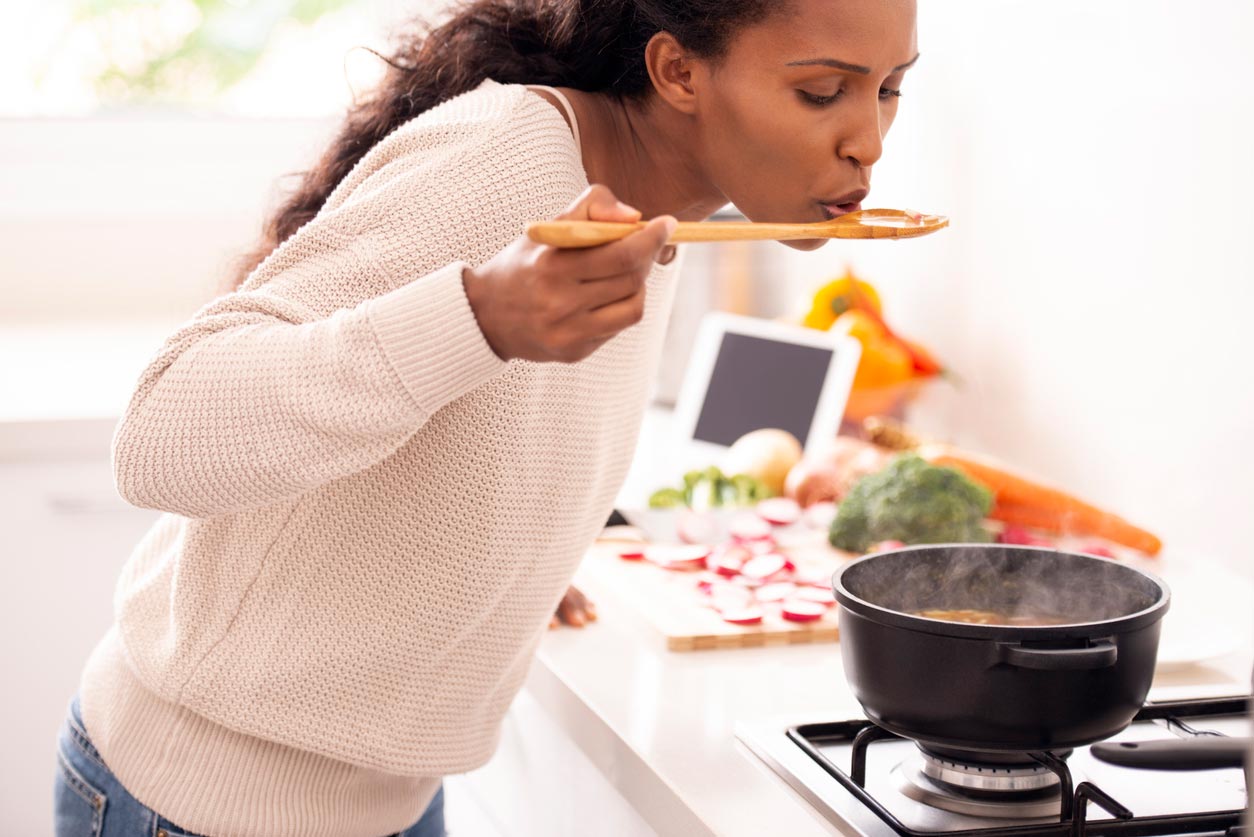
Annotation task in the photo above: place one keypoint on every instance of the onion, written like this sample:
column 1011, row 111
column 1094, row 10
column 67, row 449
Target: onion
column 813, row 481
column 828, row 474
column 767, row 455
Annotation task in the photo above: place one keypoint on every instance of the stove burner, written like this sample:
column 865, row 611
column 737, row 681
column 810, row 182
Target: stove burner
column 980, row 778
column 909, row 779
column 1001, row 791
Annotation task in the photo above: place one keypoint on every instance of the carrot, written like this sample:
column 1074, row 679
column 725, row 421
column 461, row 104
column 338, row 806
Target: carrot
column 1066, row 522
column 1023, row 502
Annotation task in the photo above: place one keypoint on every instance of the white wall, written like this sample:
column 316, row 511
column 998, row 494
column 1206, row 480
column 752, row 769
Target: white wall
column 1096, row 287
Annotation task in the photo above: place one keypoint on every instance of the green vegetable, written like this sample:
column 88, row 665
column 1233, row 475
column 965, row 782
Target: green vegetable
column 667, row 498
column 749, row 489
column 691, row 480
column 913, row 502
column 710, row 488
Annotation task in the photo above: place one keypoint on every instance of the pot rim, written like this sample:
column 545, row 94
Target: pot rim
column 966, row 630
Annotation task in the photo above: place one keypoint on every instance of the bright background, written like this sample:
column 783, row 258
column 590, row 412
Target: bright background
column 1093, row 293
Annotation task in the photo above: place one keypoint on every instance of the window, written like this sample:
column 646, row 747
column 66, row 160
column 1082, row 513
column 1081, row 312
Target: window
column 230, row 57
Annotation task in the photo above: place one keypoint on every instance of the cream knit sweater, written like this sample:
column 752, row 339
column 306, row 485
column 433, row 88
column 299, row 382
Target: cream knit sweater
column 370, row 516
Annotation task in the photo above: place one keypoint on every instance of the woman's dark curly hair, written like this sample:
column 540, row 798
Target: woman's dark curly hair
column 591, row 45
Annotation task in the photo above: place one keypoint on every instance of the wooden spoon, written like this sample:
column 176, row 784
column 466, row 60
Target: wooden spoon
column 865, row 223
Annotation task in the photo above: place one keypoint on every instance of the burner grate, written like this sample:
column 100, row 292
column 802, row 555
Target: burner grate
column 1072, row 818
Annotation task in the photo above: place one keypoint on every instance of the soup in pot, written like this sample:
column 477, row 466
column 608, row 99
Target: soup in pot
column 991, row 617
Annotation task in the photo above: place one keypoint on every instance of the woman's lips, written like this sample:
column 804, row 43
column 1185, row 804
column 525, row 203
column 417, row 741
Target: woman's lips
column 835, row 210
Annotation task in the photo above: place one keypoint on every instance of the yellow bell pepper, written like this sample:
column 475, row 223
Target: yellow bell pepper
column 834, row 299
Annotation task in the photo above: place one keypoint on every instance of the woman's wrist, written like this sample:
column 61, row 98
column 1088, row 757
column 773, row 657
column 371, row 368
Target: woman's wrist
column 473, row 284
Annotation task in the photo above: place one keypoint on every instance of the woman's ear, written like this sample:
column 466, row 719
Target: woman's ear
column 671, row 68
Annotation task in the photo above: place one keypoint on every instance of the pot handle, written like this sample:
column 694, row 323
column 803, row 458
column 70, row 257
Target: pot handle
column 1101, row 654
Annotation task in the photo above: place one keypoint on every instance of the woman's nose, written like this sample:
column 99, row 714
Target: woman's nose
column 863, row 141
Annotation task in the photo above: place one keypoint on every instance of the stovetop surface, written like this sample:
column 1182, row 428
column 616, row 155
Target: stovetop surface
column 1148, row 794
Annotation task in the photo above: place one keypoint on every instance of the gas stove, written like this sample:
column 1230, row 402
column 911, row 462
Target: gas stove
column 868, row 781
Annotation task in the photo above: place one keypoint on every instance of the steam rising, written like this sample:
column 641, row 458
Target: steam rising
column 1014, row 581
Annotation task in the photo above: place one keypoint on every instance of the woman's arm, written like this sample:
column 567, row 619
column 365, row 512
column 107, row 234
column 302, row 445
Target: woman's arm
column 344, row 342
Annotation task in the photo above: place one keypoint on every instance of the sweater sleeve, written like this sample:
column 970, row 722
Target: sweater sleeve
column 334, row 353
column 252, row 403
column 355, row 331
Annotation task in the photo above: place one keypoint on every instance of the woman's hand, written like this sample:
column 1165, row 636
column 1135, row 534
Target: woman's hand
column 540, row 303
column 574, row 610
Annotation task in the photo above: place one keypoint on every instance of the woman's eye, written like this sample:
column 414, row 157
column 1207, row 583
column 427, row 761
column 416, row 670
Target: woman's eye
column 887, row 93
column 818, row 100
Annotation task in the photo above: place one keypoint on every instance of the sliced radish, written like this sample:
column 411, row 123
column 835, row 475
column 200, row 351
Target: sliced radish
column 886, row 546
column 778, row 578
column 677, row 557
column 1100, row 550
column 634, row 553
column 750, row 615
column 811, row 577
column 1018, row 536
column 775, row 592
column 800, row 610
column 779, row 511
column 730, row 597
column 821, row 595
column 1015, row 535
column 820, row 515
column 749, row 527
column 761, row 546
column 727, row 560
column 763, row 567
column 696, row 528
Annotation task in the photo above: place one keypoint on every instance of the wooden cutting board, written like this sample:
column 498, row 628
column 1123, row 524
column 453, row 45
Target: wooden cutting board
column 671, row 603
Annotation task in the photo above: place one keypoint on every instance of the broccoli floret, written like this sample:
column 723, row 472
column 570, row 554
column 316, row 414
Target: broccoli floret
column 913, row 502
column 667, row 498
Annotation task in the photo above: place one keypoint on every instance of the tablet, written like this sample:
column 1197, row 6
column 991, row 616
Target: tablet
column 747, row 373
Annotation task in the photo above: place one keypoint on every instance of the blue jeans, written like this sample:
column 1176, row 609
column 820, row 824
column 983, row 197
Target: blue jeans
column 89, row 801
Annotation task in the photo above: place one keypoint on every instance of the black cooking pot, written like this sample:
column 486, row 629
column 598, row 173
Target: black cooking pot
column 994, row 688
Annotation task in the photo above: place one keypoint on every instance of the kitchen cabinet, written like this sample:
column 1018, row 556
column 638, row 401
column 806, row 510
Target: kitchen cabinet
column 65, row 537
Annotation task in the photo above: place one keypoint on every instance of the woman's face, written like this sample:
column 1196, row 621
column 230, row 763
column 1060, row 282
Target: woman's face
column 793, row 116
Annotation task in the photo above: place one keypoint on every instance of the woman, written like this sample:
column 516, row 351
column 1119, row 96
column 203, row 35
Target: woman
column 383, row 455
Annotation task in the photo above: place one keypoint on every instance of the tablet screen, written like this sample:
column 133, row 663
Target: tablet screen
column 757, row 382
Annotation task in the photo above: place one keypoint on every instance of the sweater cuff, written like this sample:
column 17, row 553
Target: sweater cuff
column 429, row 334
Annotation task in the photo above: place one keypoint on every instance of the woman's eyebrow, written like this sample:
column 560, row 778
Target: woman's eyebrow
column 845, row 65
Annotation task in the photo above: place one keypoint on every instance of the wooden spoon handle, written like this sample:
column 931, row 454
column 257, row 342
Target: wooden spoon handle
column 571, row 234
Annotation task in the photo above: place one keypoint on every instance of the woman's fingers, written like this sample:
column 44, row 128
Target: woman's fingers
column 594, row 295
column 626, row 265
column 598, row 203
column 546, row 304
column 603, row 323
column 635, row 252
column 574, row 610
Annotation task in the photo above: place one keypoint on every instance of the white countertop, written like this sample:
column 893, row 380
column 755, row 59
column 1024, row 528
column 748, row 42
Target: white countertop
column 660, row 725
